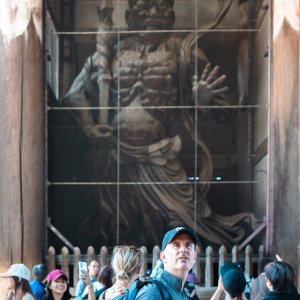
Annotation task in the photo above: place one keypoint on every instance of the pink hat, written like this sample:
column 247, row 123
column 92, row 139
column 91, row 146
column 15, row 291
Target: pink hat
column 55, row 274
column 18, row 270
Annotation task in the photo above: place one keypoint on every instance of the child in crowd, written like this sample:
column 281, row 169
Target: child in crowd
column 38, row 286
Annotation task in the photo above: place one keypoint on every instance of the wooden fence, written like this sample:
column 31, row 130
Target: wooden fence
column 206, row 267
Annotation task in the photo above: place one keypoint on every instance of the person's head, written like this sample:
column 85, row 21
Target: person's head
column 150, row 14
column 234, row 283
column 230, row 266
column 94, row 268
column 178, row 251
column 105, row 276
column 40, row 272
column 279, row 276
column 17, row 280
column 233, row 279
column 57, row 285
column 126, row 263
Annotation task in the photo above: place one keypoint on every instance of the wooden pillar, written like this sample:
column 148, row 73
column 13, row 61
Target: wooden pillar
column 21, row 134
column 283, row 232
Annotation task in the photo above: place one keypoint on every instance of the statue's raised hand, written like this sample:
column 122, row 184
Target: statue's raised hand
column 209, row 85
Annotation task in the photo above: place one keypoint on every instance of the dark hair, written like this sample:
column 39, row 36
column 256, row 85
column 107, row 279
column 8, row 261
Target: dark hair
column 105, row 276
column 234, row 283
column 280, row 274
column 49, row 296
column 40, row 272
column 263, row 262
column 22, row 287
column 93, row 259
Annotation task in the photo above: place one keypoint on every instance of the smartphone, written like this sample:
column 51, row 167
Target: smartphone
column 82, row 268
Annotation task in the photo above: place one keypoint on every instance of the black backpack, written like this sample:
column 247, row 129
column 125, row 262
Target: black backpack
column 138, row 284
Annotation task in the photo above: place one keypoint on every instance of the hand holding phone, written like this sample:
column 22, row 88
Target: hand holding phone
column 82, row 268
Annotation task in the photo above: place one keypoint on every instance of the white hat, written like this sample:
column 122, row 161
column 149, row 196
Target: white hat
column 18, row 270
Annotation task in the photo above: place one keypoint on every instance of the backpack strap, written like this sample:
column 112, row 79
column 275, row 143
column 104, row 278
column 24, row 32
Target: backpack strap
column 101, row 297
column 164, row 293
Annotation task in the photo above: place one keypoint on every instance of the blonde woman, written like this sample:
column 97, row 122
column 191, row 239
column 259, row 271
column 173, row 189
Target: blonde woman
column 126, row 263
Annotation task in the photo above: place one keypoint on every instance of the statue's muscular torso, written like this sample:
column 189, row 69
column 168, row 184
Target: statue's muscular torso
column 147, row 83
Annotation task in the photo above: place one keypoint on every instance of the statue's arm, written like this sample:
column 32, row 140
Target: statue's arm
column 84, row 94
column 90, row 88
column 79, row 96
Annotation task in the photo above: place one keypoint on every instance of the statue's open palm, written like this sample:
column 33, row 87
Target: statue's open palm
column 209, row 85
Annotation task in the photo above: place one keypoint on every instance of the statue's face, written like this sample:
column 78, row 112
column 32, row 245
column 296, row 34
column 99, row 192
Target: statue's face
column 150, row 14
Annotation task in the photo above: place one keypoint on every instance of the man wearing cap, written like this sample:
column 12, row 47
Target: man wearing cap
column 178, row 256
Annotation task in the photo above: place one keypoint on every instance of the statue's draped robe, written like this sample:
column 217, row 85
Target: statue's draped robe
column 147, row 81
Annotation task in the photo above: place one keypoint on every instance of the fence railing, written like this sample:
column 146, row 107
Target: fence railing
column 206, row 267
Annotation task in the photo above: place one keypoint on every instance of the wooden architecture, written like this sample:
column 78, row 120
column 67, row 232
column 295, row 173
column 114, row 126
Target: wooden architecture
column 22, row 139
column 23, row 134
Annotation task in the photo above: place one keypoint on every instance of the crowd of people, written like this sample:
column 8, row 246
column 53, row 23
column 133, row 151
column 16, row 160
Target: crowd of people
column 171, row 278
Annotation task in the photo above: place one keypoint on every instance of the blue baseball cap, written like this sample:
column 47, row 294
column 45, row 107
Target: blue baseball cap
column 230, row 266
column 234, row 282
column 170, row 235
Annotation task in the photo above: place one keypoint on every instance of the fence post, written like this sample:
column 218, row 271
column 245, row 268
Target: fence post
column 235, row 254
column 197, row 267
column 65, row 260
column 145, row 262
column 77, row 254
column 209, row 276
column 90, row 254
column 51, row 258
column 155, row 256
column 248, row 261
column 261, row 253
column 103, row 256
column 200, row 264
column 222, row 259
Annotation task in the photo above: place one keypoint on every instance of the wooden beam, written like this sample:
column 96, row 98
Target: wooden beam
column 284, row 206
column 21, row 138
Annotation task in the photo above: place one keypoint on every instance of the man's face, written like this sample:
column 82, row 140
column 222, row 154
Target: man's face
column 150, row 14
column 94, row 268
column 179, row 255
